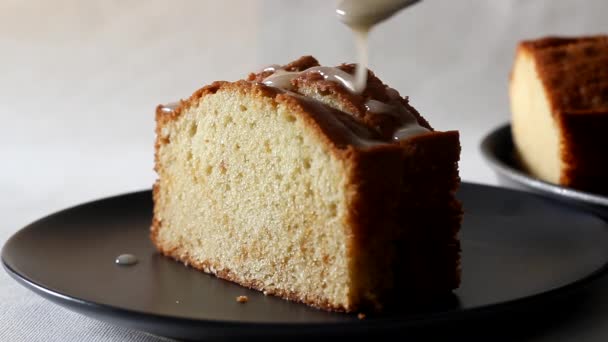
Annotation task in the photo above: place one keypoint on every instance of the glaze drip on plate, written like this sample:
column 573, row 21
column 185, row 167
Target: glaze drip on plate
column 126, row 260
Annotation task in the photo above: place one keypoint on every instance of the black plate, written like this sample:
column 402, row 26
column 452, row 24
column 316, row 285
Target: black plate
column 519, row 249
column 497, row 149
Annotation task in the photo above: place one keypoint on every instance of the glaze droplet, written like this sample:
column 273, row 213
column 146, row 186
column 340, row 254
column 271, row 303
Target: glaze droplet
column 126, row 260
column 169, row 107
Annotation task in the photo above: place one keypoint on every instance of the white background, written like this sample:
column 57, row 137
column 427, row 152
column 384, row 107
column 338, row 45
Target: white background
column 79, row 81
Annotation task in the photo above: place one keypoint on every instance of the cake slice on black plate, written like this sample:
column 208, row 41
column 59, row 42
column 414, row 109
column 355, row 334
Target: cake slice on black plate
column 309, row 191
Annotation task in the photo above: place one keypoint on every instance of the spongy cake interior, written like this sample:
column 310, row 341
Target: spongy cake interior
column 535, row 130
column 255, row 194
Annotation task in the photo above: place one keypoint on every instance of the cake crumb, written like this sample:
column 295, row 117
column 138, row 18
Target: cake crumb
column 242, row 299
column 361, row 315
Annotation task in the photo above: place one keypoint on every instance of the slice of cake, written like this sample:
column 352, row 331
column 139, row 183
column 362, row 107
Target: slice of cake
column 559, row 103
column 289, row 183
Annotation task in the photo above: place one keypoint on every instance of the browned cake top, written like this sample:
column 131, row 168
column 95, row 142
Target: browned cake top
column 574, row 72
column 379, row 116
column 385, row 123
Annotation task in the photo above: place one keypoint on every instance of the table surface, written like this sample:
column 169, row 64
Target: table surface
column 80, row 81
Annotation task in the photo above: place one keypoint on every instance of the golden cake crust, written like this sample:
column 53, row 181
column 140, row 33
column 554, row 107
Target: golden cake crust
column 574, row 73
column 227, row 274
column 377, row 157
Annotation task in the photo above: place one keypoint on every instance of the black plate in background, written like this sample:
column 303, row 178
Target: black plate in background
column 518, row 250
column 498, row 150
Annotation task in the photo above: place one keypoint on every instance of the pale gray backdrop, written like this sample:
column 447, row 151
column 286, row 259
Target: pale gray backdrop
column 79, row 81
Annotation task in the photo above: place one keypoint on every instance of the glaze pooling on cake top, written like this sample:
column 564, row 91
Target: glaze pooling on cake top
column 282, row 79
column 285, row 78
column 169, row 107
column 376, row 116
column 361, row 16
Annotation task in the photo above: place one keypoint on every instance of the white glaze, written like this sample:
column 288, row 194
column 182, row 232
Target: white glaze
column 126, row 260
column 361, row 36
column 361, row 16
column 379, row 107
column 364, row 14
column 272, row 67
column 282, row 79
column 409, row 130
column 169, row 107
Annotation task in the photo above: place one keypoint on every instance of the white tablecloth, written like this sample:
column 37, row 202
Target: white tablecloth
column 80, row 80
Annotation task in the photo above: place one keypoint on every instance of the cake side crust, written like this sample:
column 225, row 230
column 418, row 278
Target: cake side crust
column 585, row 143
column 388, row 208
column 431, row 202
